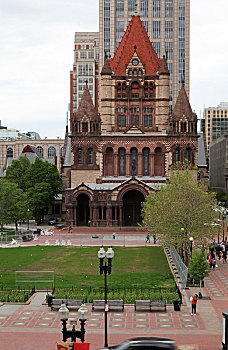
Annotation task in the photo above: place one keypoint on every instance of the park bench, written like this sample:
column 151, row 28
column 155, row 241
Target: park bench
column 113, row 304
column 150, row 305
column 72, row 304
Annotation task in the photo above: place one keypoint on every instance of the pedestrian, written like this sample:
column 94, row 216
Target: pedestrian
column 220, row 255
column 214, row 242
column 210, row 262
column 147, row 238
column 224, row 256
column 213, row 263
column 194, row 301
column 114, row 235
column 154, row 237
column 70, row 229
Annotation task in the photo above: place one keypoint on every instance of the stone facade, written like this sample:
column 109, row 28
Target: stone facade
column 124, row 153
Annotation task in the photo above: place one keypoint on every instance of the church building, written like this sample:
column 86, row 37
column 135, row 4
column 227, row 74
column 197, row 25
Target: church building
column 114, row 159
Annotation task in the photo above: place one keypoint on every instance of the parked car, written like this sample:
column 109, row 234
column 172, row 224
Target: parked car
column 146, row 343
column 52, row 221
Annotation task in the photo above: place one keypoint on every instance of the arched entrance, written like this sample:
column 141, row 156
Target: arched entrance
column 132, row 206
column 82, row 210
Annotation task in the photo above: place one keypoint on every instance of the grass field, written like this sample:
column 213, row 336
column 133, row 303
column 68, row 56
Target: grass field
column 78, row 267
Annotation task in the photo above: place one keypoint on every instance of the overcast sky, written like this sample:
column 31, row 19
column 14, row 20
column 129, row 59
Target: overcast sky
column 36, row 43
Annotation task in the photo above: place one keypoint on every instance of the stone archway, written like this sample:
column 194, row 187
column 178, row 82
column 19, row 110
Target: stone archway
column 83, row 213
column 132, row 206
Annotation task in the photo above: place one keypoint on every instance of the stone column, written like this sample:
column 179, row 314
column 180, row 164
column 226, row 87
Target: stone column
column 115, row 164
column 128, row 165
column 139, row 171
column 151, row 164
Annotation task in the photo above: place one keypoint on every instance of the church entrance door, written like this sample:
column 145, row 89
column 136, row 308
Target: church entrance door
column 132, row 206
column 82, row 210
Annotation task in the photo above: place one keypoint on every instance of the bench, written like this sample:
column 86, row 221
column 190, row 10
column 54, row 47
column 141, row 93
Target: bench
column 142, row 305
column 113, row 304
column 72, row 304
column 150, row 305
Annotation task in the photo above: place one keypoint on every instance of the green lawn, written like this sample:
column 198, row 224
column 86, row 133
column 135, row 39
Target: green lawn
column 78, row 267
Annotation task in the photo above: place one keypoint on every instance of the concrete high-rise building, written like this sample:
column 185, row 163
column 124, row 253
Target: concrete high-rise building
column 85, row 68
column 167, row 23
column 215, row 122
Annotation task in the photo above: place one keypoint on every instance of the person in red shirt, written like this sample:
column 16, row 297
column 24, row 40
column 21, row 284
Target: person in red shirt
column 194, row 301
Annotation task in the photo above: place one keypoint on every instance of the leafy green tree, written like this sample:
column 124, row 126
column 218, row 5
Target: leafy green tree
column 16, row 172
column 179, row 210
column 198, row 268
column 11, row 202
column 39, row 199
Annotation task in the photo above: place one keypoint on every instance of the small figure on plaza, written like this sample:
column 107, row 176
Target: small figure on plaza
column 114, row 235
column 148, row 238
column 70, row 229
column 194, row 302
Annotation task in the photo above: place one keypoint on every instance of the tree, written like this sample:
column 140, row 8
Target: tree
column 12, row 206
column 179, row 210
column 198, row 268
column 16, row 172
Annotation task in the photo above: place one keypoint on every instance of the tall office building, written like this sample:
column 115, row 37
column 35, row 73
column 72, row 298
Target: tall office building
column 167, row 23
column 85, row 68
column 215, row 122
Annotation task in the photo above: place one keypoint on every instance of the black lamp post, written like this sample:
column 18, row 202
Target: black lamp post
column 104, row 268
column 74, row 333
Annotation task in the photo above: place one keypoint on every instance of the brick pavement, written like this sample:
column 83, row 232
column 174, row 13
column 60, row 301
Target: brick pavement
column 35, row 327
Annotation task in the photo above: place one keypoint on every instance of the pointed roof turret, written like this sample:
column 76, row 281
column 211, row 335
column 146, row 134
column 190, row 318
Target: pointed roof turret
column 183, row 107
column 106, row 70
column 86, row 106
column 135, row 35
column 164, row 66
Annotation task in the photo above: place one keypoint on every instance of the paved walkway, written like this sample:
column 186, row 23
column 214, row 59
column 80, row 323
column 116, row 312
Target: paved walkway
column 35, row 326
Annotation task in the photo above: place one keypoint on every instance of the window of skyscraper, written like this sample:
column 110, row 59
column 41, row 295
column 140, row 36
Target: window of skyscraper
column 144, row 8
column 170, row 67
column 181, row 41
column 168, row 29
column 131, row 7
column 157, row 47
column 119, row 30
column 145, row 23
column 156, row 8
column 170, row 92
column 119, row 8
column 169, row 50
column 168, row 8
column 107, row 26
column 156, row 30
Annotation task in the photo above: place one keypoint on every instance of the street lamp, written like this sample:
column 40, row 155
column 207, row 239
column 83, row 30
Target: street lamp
column 104, row 268
column 74, row 333
column 191, row 241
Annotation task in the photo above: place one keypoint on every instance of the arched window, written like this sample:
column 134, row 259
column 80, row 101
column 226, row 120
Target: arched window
column 177, row 155
column 158, row 162
column 79, row 156
column 9, row 152
column 188, row 154
column 122, row 161
column 90, row 154
column 108, row 162
column 40, row 150
column 84, row 127
column 146, row 162
column 51, row 152
column 135, row 89
column 133, row 161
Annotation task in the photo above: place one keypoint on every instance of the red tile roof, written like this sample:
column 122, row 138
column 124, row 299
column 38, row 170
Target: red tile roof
column 135, row 34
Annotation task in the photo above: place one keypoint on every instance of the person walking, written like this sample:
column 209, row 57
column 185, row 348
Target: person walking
column 148, row 238
column 210, row 262
column 114, row 235
column 213, row 263
column 70, row 229
column 220, row 255
column 194, row 302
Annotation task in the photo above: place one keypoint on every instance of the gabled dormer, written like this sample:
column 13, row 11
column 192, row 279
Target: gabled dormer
column 135, row 68
column 86, row 121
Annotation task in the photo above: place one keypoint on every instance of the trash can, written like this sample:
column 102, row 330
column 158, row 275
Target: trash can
column 177, row 305
column 49, row 299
